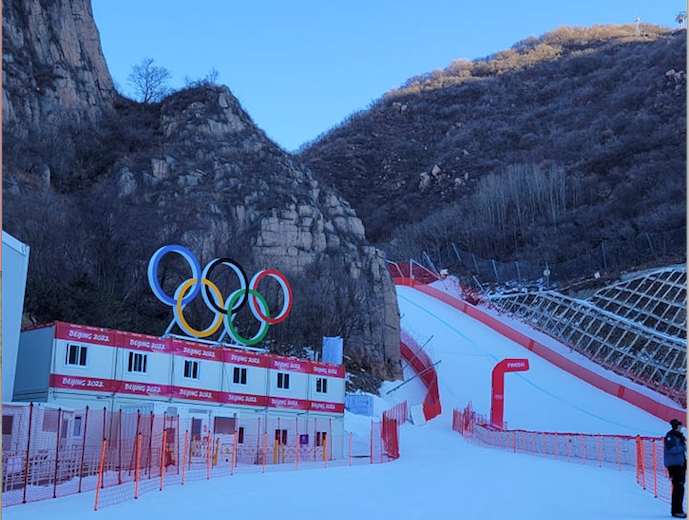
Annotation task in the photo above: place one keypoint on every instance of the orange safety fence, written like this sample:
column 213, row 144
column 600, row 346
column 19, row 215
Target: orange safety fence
column 53, row 452
column 643, row 455
column 48, row 453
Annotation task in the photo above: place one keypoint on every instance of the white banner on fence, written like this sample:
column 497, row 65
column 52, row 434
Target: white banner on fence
column 332, row 350
column 359, row 404
column 417, row 415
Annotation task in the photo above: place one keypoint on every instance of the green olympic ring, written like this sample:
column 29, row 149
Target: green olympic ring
column 263, row 329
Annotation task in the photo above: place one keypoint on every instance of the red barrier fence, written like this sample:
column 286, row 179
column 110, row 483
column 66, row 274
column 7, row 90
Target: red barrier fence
column 397, row 413
column 634, row 397
column 417, row 358
column 644, row 455
column 49, row 453
column 390, row 436
column 413, row 271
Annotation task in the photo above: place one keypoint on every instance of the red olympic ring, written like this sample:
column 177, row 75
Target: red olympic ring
column 287, row 290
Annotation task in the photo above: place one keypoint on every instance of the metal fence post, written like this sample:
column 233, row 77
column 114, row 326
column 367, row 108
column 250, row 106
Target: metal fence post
column 57, row 451
column 83, row 448
column 138, row 462
column 100, row 473
column 28, row 450
column 162, row 459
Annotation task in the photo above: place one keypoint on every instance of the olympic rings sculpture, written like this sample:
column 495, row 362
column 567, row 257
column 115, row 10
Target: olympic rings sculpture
column 225, row 312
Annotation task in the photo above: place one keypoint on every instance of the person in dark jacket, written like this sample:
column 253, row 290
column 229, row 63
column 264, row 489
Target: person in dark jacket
column 675, row 460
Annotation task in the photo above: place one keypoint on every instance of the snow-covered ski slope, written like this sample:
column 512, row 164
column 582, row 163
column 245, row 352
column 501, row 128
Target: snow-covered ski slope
column 438, row 475
column 544, row 398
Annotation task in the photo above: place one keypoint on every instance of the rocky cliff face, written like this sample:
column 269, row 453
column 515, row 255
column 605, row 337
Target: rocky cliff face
column 217, row 168
column 52, row 62
column 204, row 175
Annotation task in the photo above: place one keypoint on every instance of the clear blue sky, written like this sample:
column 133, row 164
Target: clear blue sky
column 300, row 67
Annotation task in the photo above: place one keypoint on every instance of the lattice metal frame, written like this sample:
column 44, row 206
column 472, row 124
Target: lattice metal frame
column 635, row 327
column 658, row 300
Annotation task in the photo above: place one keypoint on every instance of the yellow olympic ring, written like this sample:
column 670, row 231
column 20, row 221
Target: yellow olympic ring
column 179, row 311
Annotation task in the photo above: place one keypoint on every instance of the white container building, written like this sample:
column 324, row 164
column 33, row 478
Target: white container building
column 288, row 401
column 16, row 265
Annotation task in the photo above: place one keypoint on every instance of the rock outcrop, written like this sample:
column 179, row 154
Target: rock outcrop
column 52, row 63
column 218, row 166
column 204, row 174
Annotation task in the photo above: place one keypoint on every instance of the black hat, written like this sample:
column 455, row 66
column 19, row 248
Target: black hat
column 675, row 422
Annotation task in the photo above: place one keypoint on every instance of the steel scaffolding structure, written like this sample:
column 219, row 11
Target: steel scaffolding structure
column 635, row 327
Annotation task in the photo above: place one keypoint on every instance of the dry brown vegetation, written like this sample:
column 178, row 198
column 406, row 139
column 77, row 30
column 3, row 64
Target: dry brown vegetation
column 539, row 153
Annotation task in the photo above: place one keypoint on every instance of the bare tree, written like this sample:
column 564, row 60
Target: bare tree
column 149, row 81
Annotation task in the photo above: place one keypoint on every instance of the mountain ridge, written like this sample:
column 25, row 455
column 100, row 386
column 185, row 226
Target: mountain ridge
column 468, row 152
